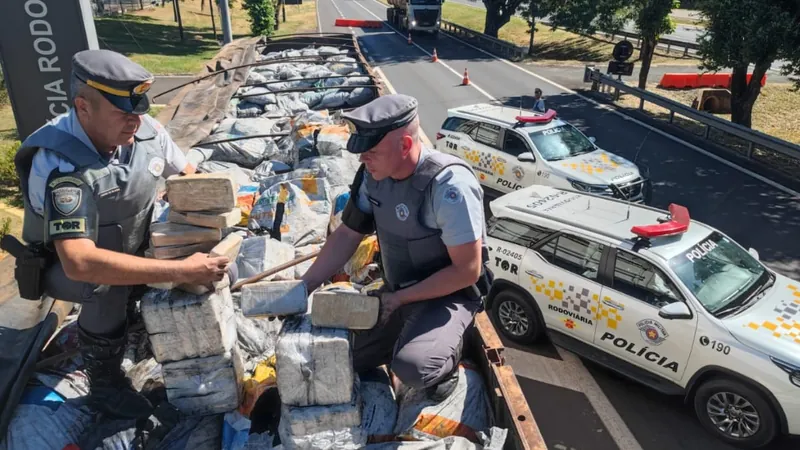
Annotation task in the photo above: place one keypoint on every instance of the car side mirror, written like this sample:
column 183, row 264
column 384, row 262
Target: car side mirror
column 592, row 139
column 754, row 253
column 526, row 157
column 677, row 310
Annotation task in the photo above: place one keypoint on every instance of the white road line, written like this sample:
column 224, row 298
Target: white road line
column 392, row 90
column 319, row 22
column 342, row 15
column 724, row 161
column 459, row 75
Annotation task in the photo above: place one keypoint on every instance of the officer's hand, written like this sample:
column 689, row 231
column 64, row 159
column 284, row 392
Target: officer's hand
column 202, row 269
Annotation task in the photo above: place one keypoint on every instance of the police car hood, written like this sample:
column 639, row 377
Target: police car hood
column 597, row 167
column 772, row 325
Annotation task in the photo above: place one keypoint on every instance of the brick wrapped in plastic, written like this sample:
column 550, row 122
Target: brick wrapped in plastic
column 379, row 405
column 323, row 427
column 183, row 325
column 314, row 364
column 307, row 209
column 205, row 386
column 466, row 413
column 240, row 175
column 261, row 253
column 274, row 298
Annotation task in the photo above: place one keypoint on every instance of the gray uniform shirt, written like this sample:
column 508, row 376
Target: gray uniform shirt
column 456, row 207
column 46, row 161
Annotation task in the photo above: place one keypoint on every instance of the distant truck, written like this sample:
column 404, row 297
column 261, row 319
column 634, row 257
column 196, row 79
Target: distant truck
column 415, row 15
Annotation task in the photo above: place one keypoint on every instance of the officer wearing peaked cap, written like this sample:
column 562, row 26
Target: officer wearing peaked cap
column 427, row 210
column 89, row 180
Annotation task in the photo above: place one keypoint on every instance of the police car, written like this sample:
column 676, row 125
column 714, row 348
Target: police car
column 510, row 148
column 664, row 300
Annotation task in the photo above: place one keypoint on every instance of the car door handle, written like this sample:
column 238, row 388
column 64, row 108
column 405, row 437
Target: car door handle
column 534, row 274
column 613, row 304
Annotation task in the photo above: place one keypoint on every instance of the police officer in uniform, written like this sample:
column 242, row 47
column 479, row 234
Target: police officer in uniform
column 427, row 210
column 89, row 179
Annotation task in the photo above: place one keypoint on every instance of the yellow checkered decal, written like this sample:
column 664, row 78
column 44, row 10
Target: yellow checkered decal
column 611, row 315
column 594, row 165
column 486, row 161
column 785, row 325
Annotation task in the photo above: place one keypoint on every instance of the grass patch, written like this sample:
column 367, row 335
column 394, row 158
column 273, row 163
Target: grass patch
column 299, row 18
column 152, row 39
column 555, row 46
column 776, row 112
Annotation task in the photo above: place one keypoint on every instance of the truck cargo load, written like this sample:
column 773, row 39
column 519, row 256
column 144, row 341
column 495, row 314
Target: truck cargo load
column 268, row 116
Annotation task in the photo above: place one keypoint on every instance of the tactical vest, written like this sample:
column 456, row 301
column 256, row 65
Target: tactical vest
column 410, row 251
column 123, row 193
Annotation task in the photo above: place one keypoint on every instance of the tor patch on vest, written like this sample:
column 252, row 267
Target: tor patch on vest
column 63, row 226
column 66, row 199
column 156, row 166
column 452, row 195
column 402, row 212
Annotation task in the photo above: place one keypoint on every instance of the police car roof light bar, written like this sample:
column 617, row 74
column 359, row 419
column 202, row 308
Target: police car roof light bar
column 677, row 224
column 542, row 118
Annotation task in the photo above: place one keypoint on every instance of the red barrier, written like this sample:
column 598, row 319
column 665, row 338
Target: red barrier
column 358, row 23
column 696, row 80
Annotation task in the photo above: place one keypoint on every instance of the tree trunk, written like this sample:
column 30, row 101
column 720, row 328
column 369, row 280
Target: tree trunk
column 530, row 42
column 744, row 94
column 646, row 57
column 492, row 25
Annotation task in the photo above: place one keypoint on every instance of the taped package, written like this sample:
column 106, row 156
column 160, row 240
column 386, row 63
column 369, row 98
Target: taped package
column 261, row 253
column 205, row 386
column 465, row 413
column 379, row 405
column 315, row 366
column 274, row 298
column 307, row 209
column 323, row 427
column 182, row 325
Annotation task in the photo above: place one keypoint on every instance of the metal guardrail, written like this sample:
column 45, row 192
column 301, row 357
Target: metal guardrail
column 752, row 137
column 497, row 46
column 663, row 42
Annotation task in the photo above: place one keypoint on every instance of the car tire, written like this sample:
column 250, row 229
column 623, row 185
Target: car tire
column 719, row 392
column 516, row 318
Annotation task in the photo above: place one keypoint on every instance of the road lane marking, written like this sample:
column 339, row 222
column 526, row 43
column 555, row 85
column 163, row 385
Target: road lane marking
column 459, row 75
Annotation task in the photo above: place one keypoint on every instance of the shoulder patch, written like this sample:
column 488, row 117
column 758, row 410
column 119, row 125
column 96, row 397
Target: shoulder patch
column 67, row 199
column 72, row 180
column 453, row 195
column 156, row 166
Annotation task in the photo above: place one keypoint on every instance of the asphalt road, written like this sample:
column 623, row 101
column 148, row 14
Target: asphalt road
column 578, row 405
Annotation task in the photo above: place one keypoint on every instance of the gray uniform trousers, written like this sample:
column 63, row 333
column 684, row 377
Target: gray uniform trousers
column 421, row 341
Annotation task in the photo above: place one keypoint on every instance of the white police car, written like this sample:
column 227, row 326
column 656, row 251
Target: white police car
column 667, row 301
column 509, row 149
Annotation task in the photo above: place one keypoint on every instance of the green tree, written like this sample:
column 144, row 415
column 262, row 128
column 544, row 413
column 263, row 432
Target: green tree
column 498, row 13
column 532, row 10
column 650, row 18
column 261, row 14
column 740, row 33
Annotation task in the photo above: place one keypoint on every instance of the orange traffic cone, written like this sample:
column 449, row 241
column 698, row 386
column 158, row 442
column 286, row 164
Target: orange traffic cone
column 409, row 38
column 435, row 56
column 465, row 82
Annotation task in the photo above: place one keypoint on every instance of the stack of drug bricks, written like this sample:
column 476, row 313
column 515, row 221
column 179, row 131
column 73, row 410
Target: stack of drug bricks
column 202, row 209
column 193, row 328
column 318, row 387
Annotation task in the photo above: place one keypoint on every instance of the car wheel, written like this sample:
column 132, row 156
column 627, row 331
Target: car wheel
column 735, row 413
column 516, row 317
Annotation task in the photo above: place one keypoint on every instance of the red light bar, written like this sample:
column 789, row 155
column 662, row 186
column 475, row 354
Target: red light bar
column 544, row 118
column 340, row 22
column 678, row 224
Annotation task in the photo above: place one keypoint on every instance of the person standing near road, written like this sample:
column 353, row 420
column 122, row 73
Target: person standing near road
column 89, row 180
column 538, row 101
column 427, row 210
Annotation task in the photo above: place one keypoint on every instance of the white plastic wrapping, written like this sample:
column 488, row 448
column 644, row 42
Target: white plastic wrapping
column 240, row 175
column 379, row 405
column 307, row 209
column 257, row 338
column 467, row 409
column 261, row 253
column 205, row 386
column 314, row 365
column 274, row 298
column 183, row 325
column 332, row 140
column 322, row 427
column 339, row 170
column 494, row 441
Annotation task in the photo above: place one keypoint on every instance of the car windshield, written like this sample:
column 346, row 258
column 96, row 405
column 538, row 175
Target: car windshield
column 561, row 142
column 718, row 272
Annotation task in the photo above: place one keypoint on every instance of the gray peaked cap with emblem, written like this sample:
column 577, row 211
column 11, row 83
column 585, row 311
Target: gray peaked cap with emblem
column 371, row 122
column 120, row 80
